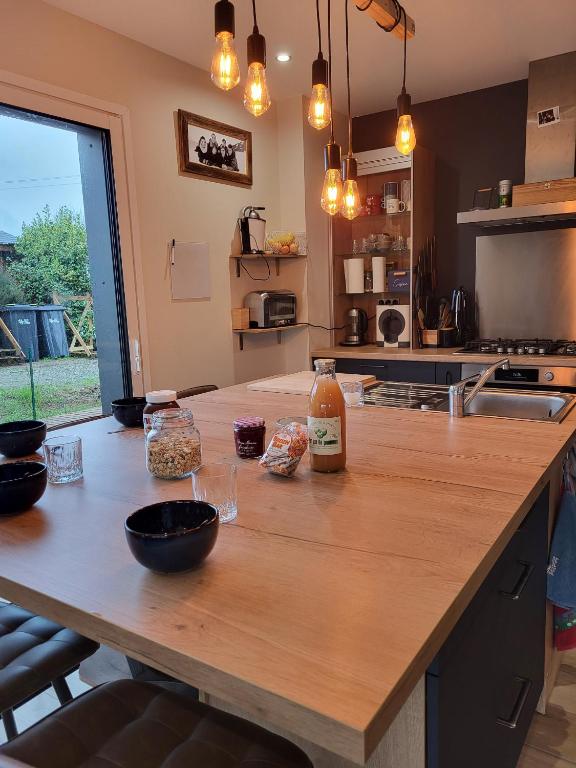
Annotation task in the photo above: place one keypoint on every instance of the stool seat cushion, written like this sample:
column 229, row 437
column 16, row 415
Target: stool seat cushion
column 33, row 653
column 128, row 724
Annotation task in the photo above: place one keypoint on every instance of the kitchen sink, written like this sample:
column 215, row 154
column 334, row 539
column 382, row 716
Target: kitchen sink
column 491, row 402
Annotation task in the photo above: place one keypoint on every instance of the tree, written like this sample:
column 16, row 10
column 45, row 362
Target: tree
column 10, row 293
column 51, row 255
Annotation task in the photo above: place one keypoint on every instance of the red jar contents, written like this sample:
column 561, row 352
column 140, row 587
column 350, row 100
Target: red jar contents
column 249, row 437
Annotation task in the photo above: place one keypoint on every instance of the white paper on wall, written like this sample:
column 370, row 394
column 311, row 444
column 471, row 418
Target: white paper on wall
column 190, row 271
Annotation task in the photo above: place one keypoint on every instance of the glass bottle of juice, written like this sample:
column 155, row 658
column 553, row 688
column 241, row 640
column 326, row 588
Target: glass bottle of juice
column 327, row 420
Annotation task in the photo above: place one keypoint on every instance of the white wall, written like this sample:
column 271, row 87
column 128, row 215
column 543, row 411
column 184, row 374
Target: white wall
column 190, row 342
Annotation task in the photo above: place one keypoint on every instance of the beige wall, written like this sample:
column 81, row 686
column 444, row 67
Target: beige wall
column 190, row 342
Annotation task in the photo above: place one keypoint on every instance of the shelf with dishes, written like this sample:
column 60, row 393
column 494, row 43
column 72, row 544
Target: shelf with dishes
column 265, row 257
column 279, row 330
column 382, row 246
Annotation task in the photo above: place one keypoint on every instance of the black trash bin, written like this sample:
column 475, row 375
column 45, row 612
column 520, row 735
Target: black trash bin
column 21, row 322
column 52, row 340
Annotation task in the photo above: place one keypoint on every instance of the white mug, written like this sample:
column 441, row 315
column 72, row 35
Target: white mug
column 393, row 205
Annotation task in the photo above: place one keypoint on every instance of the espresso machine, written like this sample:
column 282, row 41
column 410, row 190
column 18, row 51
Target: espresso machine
column 356, row 328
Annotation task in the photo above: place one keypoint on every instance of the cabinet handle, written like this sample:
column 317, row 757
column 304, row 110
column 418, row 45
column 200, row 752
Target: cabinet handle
column 519, row 705
column 527, row 569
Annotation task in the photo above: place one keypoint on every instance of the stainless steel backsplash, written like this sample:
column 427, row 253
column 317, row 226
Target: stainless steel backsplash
column 526, row 284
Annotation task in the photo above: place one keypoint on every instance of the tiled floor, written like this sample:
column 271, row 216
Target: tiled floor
column 551, row 742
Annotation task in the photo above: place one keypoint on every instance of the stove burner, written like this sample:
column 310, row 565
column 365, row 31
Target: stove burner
column 540, row 347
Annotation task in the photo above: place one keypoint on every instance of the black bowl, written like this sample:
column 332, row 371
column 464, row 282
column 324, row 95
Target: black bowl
column 22, row 483
column 21, row 438
column 129, row 411
column 172, row 536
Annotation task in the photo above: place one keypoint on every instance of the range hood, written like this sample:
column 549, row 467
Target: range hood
column 550, row 148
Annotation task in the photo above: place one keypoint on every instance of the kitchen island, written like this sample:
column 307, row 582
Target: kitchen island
column 324, row 604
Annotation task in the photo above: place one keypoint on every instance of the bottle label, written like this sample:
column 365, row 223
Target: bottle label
column 325, row 436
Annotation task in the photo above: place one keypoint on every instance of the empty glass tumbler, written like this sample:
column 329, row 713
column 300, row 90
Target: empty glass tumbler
column 216, row 484
column 63, row 454
column 353, row 392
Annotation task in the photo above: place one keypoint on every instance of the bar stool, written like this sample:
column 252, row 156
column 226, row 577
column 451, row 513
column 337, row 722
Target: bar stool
column 35, row 654
column 128, row 724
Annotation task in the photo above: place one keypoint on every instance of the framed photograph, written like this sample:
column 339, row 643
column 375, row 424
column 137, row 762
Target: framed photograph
column 215, row 150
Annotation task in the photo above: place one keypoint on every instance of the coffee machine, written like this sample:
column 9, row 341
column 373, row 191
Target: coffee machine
column 252, row 229
column 356, row 328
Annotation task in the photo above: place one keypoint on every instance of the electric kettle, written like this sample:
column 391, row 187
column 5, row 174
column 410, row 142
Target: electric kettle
column 356, row 327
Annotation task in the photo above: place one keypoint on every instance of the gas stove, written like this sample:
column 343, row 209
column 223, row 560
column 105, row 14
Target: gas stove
column 528, row 347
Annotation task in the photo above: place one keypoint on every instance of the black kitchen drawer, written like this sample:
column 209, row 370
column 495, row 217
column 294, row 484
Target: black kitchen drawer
column 390, row 370
column 483, row 687
column 448, row 373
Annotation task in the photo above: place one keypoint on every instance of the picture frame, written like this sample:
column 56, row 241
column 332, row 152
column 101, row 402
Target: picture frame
column 214, row 150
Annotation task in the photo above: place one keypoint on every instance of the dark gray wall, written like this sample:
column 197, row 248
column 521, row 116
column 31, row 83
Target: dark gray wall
column 478, row 138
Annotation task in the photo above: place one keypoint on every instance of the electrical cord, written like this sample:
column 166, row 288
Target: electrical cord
column 319, row 28
column 254, row 13
column 348, row 78
column 330, row 69
column 260, row 279
column 325, row 328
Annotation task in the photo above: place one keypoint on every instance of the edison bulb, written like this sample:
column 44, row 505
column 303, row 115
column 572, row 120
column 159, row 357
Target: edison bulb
column 319, row 110
column 256, row 96
column 350, row 199
column 331, row 200
column 225, row 72
column 405, row 136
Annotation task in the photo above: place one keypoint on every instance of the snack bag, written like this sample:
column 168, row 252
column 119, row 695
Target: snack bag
column 286, row 449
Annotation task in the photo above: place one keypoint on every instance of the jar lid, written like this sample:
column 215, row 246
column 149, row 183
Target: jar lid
column 161, row 396
column 248, row 421
column 178, row 416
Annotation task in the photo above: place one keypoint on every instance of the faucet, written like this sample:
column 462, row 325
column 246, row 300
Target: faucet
column 457, row 400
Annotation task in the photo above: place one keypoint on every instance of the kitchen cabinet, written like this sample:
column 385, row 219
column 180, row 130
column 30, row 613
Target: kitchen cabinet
column 483, row 686
column 448, row 373
column 402, row 370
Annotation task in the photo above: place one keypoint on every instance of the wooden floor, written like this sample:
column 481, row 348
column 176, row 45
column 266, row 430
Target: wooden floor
column 551, row 742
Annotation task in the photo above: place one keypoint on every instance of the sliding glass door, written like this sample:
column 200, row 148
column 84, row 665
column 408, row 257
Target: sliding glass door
column 64, row 351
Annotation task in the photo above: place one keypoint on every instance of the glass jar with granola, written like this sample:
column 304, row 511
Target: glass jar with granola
column 173, row 448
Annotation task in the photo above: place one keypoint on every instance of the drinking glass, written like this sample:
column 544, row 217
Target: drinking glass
column 216, row 484
column 63, row 455
column 353, row 392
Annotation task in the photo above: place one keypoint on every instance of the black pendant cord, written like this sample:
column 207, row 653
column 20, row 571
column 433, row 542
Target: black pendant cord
column 319, row 28
column 330, row 69
column 254, row 14
column 348, row 77
column 403, row 13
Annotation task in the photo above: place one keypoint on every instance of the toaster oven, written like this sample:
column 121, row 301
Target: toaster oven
column 271, row 309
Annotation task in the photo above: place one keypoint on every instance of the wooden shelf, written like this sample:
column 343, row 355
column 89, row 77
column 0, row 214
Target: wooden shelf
column 380, row 217
column 267, row 256
column 278, row 331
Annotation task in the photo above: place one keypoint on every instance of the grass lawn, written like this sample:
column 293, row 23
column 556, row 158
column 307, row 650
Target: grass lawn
column 51, row 400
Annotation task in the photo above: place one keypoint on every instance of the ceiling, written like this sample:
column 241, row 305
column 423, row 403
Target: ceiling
column 460, row 45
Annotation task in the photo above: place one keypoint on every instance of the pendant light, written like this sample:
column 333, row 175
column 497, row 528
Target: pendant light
column 405, row 136
column 319, row 111
column 225, row 72
column 256, row 96
column 350, row 194
column 331, row 199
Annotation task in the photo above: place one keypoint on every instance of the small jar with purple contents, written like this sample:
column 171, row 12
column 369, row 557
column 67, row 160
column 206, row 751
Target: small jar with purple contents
column 249, row 437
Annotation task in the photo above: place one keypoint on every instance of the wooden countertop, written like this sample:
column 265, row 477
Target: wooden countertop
column 322, row 605
column 373, row 352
